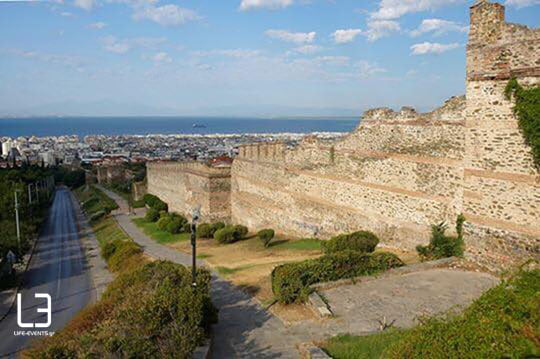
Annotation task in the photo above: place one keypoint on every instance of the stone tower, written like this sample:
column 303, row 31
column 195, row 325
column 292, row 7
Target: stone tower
column 501, row 185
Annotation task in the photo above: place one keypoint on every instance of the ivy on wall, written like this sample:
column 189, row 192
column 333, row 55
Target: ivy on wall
column 527, row 110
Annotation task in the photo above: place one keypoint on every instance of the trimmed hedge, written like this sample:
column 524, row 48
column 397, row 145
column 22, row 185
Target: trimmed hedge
column 266, row 235
column 163, row 222
column 176, row 225
column 152, row 215
column 361, row 241
column 205, row 230
column 291, row 282
column 154, row 202
column 230, row 234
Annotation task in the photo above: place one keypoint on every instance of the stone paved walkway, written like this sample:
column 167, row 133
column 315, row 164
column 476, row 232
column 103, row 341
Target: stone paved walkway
column 405, row 297
column 245, row 329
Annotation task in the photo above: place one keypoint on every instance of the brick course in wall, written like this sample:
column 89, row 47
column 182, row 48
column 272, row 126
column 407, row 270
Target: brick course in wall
column 399, row 172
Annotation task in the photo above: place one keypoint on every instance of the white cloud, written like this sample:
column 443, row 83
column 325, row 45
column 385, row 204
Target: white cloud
column 522, row 3
column 65, row 60
column 345, row 36
column 393, row 9
column 85, row 4
column 295, row 37
column 121, row 46
column 97, row 25
column 166, row 15
column 432, row 48
column 236, row 53
column 112, row 44
column 380, row 28
column 147, row 42
column 268, row 4
column 162, row 57
column 333, row 60
column 367, row 69
column 438, row 27
column 66, row 14
column 308, row 49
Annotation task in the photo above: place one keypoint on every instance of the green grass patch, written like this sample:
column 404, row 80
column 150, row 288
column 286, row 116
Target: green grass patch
column 108, row 230
column 306, row 244
column 364, row 347
column 94, row 202
column 225, row 271
column 204, row 255
column 151, row 229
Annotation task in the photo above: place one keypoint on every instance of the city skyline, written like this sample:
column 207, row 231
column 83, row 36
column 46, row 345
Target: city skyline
column 233, row 58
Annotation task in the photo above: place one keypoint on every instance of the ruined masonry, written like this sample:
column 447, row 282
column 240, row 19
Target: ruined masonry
column 398, row 172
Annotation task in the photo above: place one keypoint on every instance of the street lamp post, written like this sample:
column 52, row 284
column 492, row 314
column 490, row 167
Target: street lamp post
column 29, row 193
column 17, row 222
column 194, row 218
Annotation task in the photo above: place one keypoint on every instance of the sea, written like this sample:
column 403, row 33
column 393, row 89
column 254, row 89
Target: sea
column 84, row 126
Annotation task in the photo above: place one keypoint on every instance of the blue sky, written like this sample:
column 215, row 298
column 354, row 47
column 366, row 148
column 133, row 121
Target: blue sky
column 233, row 57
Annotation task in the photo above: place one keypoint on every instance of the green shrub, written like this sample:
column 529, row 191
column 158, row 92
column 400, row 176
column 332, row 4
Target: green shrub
column 123, row 251
column 266, row 235
column 186, row 228
column 152, row 215
column 225, row 235
column 230, row 233
column 361, row 241
column 291, row 281
column 163, row 214
column 502, row 323
column 97, row 216
column 205, row 230
column 163, row 222
column 150, row 312
column 241, row 231
column 91, row 202
column 441, row 245
column 108, row 249
column 154, row 202
column 176, row 224
column 217, row 226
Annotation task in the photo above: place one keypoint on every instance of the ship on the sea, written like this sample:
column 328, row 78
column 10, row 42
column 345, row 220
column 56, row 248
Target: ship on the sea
column 198, row 125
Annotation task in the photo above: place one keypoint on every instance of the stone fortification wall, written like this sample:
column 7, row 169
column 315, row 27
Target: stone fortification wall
column 109, row 174
column 395, row 176
column 184, row 186
column 400, row 172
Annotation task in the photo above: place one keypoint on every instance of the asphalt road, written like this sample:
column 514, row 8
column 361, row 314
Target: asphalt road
column 59, row 269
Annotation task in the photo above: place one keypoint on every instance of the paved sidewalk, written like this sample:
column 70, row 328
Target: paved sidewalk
column 245, row 329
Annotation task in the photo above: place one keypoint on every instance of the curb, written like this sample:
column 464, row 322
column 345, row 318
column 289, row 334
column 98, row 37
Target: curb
column 311, row 351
